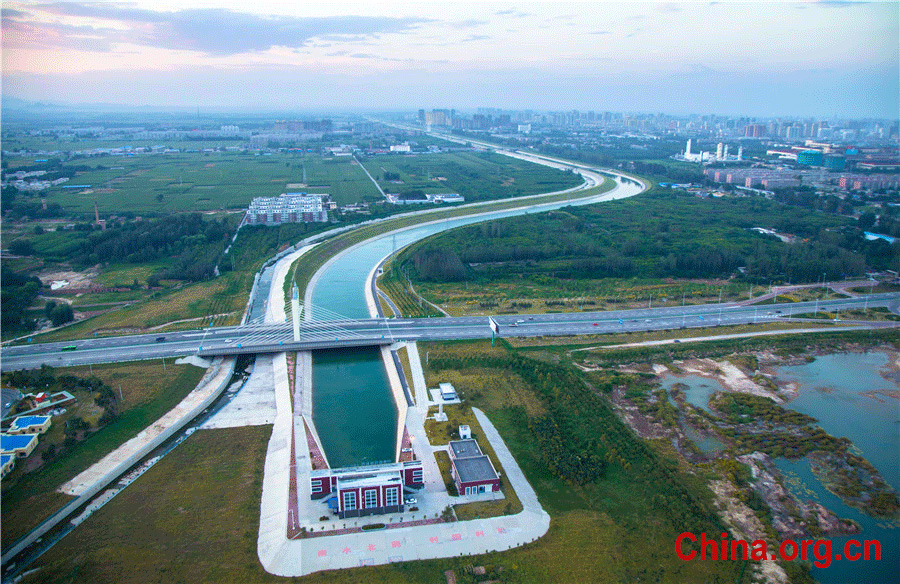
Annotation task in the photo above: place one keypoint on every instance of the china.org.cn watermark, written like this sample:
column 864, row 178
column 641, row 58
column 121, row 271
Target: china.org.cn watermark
column 819, row 551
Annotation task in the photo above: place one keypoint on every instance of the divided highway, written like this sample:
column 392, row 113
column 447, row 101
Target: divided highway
column 247, row 339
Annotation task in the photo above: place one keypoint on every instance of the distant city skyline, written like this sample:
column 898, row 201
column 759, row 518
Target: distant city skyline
column 758, row 59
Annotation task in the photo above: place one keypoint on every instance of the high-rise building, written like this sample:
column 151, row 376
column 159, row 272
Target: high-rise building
column 755, row 130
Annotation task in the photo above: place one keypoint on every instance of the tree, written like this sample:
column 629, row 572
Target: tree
column 21, row 247
column 866, row 220
column 61, row 314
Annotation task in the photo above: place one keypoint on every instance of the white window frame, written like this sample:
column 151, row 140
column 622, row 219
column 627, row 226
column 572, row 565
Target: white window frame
column 349, row 500
column 391, row 497
column 366, row 498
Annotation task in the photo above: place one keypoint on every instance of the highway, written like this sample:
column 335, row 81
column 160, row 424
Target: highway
column 247, row 339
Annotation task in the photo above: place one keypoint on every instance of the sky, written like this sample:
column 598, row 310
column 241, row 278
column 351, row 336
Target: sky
column 760, row 59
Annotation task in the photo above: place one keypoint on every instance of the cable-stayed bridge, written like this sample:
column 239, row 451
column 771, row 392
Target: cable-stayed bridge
column 327, row 331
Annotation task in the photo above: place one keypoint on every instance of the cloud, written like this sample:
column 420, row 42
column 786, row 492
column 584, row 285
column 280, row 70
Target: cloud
column 475, row 37
column 600, row 32
column 37, row 35
column 471, row 23
column 667, row 7
column 223, row 32
column 11, row 13
column 512, row 12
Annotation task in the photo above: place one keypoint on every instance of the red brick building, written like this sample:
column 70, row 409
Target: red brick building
column 472, row 471
column 367, row 490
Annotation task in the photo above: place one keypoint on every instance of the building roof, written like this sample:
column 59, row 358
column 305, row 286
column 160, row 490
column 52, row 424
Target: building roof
column 474, row 468
column 29, row 421
column 9, row 443
column 5, row 458
column 465, row 448
column 369, row 481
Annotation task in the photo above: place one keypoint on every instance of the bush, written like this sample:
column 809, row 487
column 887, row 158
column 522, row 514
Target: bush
column 61, row 314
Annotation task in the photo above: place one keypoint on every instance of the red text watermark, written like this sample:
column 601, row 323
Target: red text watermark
column 819, row 550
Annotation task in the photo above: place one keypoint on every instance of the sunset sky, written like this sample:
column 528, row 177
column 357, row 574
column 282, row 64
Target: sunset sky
column 756, row 58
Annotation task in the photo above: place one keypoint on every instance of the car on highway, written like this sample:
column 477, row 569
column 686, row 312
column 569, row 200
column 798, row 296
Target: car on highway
column 595, row 324
column 160, row 339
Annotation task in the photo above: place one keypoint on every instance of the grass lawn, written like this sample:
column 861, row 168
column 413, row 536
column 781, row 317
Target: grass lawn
column 441, row 433
column 171, row 526
column 478, row 176
column 148, row 392
column 524, row 294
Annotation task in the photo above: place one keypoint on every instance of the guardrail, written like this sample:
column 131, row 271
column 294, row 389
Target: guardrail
column 293, row 346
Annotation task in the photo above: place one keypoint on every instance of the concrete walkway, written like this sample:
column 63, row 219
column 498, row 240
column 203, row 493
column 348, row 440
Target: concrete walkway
column 418, row 377
column 210, row 383
column 254, row 404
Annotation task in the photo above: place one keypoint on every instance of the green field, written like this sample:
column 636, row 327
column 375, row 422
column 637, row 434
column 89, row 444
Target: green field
column 148, row 391
column 161, row 183
column 478, row 176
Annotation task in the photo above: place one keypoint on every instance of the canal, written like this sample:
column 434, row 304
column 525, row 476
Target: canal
column 349, row 387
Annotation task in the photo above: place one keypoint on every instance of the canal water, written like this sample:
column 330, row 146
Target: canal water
column 350, row 383
column 850, row 397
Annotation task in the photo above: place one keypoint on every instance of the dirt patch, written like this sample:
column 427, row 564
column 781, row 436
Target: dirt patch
column 730, row 376
column 744, row 525
column 83, row 279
